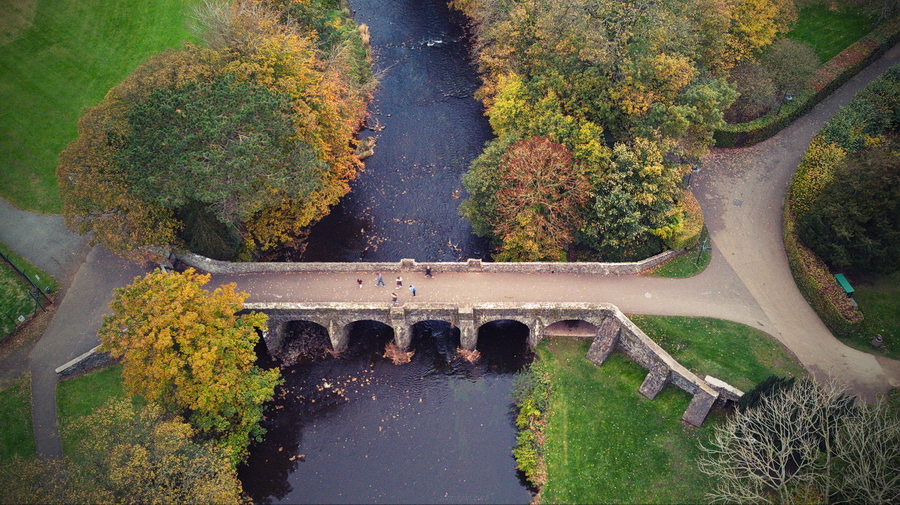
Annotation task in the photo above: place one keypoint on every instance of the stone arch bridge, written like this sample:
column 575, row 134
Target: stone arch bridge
column 612, row 331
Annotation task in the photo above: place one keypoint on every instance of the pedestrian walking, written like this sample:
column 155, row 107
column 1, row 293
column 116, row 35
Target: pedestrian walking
column 399, row 282
column 394, row 298
column 413, row 289
column 359, row 281
column 379, row 280
column 427, row 271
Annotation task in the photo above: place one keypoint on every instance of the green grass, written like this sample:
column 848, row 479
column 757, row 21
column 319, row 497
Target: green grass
column 733, row 352
column 606, row 443
column 73, row 54
column 687, row 264
column 16, row 432
column 79, row 396
column 879, row 302
column 831, row 31
column 15, row 300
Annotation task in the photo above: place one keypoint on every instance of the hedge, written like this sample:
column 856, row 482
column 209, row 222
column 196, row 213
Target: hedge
column 816, row 283
column 828, row 78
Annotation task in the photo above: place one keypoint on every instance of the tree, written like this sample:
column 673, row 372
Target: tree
column 805, row 442
column 126, row 454
column 855, row 220
column 637, row 195
column 185, row 348
column 230, row 149
column 539, row 200
column 130, row 454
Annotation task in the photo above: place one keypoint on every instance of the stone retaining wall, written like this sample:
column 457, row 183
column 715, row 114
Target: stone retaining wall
column 84, row 363
column 410, row 265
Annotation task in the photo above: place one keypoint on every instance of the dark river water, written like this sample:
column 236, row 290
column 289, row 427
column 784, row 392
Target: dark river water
column 358, row 428
column 429, row 129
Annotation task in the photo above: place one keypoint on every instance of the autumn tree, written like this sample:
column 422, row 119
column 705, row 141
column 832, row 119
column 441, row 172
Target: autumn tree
column 131, row 454
column 602, row 78
column 126, row 453
column 229, row 149
column 539, row 199
column 186, row 348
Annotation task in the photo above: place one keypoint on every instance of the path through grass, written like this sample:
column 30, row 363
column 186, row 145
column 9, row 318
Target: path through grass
column 75, row 51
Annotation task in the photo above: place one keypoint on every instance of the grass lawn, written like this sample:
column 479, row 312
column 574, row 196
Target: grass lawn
column 686, row 265
column 75, row 51
column 79, row 396
column 15, row 300
column 832, row 26
column 16, row 432
column 879, row 301
column 733, row 352
column 605, row 443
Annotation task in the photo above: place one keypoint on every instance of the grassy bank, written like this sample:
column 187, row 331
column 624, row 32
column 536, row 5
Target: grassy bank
column 79, row 396
column 16, row 432
column 830, row 27
column 15, row 300
column 733, row 352
column 605, row 443
column 879, row 302
column 71, row 55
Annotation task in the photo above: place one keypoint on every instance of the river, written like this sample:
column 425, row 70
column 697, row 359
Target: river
column 358, row 428
column 428, row 128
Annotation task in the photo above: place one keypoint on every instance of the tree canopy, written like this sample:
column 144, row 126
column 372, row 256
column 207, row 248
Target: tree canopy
column 226, row 149
column 127, row 454
column 616, row 82
column 802, row 442
column 186, row 348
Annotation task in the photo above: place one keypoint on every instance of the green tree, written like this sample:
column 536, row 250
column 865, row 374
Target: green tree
column 231, row 149
column 855, row 220
column 185, row 348
column 634, row 198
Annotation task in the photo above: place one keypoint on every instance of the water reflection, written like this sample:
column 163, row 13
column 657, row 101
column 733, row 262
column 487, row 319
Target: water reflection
column 360, row 429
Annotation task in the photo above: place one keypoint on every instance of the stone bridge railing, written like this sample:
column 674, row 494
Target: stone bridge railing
column 410, row 265
column 614, row 332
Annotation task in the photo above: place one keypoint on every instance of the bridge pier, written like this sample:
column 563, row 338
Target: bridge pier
column 468, row 335
column 402, row 329
column 339, row 334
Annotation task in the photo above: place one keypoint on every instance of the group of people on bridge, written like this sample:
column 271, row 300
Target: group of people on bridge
column 379, row 282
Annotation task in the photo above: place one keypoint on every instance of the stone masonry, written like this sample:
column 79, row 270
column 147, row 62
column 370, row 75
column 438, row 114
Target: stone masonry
column 614, row 332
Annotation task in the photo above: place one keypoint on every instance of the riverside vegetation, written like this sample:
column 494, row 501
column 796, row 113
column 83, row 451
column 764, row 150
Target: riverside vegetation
column 589, row 437
column 228, row 148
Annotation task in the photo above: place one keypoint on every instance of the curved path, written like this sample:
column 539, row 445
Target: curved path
column 741, row 192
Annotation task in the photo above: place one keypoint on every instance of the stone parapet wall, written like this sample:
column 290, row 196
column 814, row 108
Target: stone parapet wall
column 409, row 265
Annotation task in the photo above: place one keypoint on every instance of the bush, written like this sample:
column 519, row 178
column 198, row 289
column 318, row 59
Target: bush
column 816, row 283
column 855, row 220
column 691, row 225
column 829, row 77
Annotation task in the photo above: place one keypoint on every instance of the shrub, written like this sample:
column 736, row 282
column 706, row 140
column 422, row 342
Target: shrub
column 829, row 77
column 691, row 223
